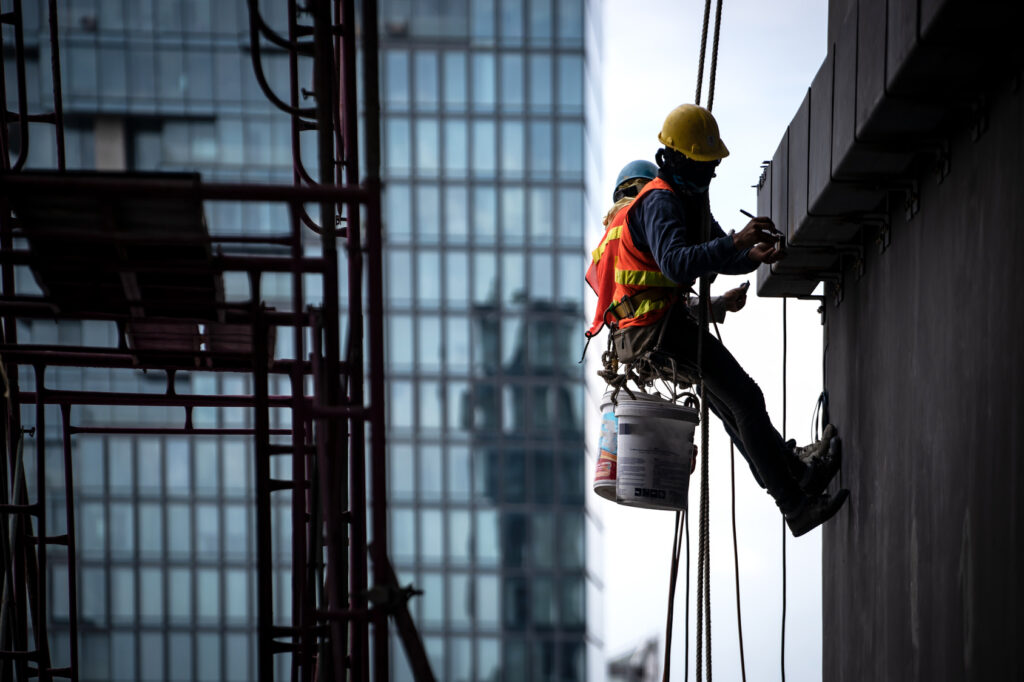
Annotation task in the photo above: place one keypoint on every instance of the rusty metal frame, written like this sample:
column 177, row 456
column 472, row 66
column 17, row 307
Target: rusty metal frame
column 337, row 434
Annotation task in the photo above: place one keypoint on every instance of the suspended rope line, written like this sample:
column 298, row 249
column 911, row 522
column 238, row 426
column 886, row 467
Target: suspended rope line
column 714, row 56
column 703, row 49
column 782, row 661
column 674, row 572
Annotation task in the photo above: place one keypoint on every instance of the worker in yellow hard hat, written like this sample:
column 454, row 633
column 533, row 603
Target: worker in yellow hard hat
column 660, row 253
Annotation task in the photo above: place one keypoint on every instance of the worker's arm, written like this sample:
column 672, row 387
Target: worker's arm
column 657, row 224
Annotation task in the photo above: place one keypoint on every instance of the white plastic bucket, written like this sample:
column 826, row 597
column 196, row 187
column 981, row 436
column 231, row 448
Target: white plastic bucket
column 607, row 451
column 654, row 453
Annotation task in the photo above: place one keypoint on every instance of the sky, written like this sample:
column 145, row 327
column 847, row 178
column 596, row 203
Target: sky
column 768, row 54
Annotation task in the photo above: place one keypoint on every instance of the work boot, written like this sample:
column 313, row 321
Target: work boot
column 814, row 465
column 813, row 511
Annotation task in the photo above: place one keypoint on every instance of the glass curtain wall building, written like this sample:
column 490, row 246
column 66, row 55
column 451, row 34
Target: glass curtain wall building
column 488, row 131
column 491, row 133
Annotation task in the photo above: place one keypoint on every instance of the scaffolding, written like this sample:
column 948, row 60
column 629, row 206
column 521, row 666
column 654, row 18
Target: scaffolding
column 134, row 250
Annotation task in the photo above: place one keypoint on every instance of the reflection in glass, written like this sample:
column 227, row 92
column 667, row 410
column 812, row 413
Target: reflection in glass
column 456, row 222
column 457, row 356
column 488, row 601
column 460, row 600
column 571, row 540
column 428, row 147
column 572, row 602
column 398, row 212
column 428, row 343
column 428, row 214
column 485, row 210
column 431, row 473
column 396, row 79
column 516, row 615
column 513, row 215
column 458, row 472
column 429, row 403
column 540, row 149
column 488, row 537
column 456, row 148
column 456, row 275
column 542, row 537
column 540, row 82
column 482, row 68
column 513, row 278
column 511, row 78
column 425, row 80
column 397, row 145
column 484, row 148
column 455, row 98
column 459, row 536
column 488, row 658
column 513, row 152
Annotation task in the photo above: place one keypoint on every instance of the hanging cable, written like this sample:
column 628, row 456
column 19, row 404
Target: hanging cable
column 703, row 49
column 714, row 56
column 782, row 662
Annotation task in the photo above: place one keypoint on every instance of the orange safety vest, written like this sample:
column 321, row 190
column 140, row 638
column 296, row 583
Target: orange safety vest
column 619, row 270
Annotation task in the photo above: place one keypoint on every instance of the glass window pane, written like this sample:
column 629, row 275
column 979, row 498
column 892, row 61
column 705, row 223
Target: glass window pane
column 512, row 92
column 456, row 219
column 122, row 530
column 236, row 595
column 180, row 644
column 488, row 603
column 207, row 465
column 482, row 67
column 488, row 537
column 402, row 475
column 456, row 148
column 570, row 22
column 541, row 286
column 433, row 600
column 431, row 466
column 179, row 531
column 208, row 648
column 570, row 279
column 401, row 407
column 540, row 82
column 513, row 215
column 398, row 212
column 428, row 147
column 459, row 408
column 516, row 614
column 484, row 148
column 403, row 535
column 460, row 600
column 151, row 594
column 540, row 149
column 572, row 602
column 571, row 540
column 513, row 274
column 428, row 278
column 457, row 350
column 122, row 464
column 428, row 214
column 570, row 84
column 455, row 97
column 459, row 536
column 208, row 595
column 177, row 468
column 429, row 344
column 122, row 654
column 236, row 531
column 485, row 212
column 570, row 217
column 513, row 151
column 207, row 531
column 456, row 272
column 122, row 594
column 485, row 283
column 92, row 538
column 430, row 416
column 542, row 536
column 431, row 535
column 481, row 21
column 541, row 21
column 488, row 658
column 399, row 277
column 396, row 145
column 180, row 597
column 93, row 595
column 544, row 608
column 570, row 150
column 541, row 210
column 396, row 79
column 425, row 81
column 400, row 346
column 151, row 531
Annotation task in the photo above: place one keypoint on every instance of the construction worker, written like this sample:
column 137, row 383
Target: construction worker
column 659, row 254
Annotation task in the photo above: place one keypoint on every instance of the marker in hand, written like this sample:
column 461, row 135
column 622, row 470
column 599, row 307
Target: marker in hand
column 775, row 233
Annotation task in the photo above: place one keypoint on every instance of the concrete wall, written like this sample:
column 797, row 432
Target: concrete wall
column 924, row 568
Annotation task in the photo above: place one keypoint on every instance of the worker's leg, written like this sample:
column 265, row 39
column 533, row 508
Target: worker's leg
column 733, row 393
column 729, row 422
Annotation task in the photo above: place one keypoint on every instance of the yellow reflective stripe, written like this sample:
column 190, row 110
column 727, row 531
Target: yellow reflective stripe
column 614, row 233
column 651, row 306
column 643, row 278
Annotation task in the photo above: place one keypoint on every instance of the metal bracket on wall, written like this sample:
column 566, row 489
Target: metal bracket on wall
column 821, row 308
column 912, row 201
column 979, row 119
column 941, row 162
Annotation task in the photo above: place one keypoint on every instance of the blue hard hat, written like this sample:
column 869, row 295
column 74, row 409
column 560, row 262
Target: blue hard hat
column 640, row 168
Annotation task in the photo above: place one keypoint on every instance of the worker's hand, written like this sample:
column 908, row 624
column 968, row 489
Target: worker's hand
column 767, row 252
column 757, row 230
column 735, row 299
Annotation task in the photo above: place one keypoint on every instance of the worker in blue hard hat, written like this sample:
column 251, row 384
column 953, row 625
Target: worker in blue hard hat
column 660, row 253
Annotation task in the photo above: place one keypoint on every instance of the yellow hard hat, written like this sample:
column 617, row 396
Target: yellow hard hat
column 692, row 131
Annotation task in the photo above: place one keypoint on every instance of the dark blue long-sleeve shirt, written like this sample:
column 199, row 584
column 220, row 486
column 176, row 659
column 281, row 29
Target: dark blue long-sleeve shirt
column 659, row 223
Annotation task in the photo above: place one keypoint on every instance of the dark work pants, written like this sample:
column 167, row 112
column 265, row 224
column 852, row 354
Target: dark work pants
column 736, row 399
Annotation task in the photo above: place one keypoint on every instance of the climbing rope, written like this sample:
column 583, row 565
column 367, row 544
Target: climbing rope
column 782, row 662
